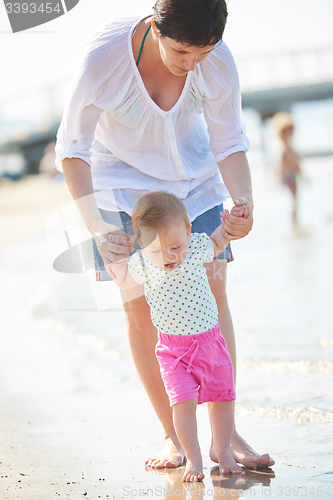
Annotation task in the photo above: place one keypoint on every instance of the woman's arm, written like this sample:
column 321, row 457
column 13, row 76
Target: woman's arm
column 237, row 178
column 78, row 178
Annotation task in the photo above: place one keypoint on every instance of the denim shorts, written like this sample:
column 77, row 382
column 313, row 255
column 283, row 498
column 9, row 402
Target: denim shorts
column 205, row 223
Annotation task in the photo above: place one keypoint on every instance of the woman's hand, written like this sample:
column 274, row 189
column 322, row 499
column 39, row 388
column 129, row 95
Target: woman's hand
column 238, row 223
column 113, row 244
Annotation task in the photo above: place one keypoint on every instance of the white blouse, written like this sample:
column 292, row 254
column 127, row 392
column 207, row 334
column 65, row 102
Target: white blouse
column 132, row 145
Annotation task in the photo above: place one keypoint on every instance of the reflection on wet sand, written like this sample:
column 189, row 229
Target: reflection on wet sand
column 247, row 479
column 219, row 486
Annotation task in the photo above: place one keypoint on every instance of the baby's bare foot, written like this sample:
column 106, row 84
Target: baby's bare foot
column 193, row 470
column 170, row 456
column 227, row 464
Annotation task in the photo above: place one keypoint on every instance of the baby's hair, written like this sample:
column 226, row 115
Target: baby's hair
column 155, row 208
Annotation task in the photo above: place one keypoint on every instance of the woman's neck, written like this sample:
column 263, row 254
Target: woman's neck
column 150, row 52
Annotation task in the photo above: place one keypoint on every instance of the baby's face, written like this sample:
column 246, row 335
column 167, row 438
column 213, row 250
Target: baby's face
column 168, row 247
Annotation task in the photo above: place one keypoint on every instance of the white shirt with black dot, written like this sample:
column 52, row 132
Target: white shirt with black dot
column 180, row 300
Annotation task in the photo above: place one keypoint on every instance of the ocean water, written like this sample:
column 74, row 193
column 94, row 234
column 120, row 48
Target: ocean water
column 280, row 294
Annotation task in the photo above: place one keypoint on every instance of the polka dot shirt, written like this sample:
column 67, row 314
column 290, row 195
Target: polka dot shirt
column 180, row 300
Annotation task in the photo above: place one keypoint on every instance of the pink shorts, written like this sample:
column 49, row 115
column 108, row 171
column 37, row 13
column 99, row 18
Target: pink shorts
column 196, row 366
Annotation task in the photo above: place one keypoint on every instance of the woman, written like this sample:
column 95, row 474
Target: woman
column 156, row 106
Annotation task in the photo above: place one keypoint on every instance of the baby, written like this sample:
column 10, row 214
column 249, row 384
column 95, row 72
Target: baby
column 194, row 361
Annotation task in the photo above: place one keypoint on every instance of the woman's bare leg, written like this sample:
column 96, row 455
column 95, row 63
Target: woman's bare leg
column 240, row 450
column 185, row 422
column 142, row 338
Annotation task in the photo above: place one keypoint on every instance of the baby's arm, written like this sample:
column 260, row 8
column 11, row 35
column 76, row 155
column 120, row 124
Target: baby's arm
column 120, row 273
column 220, row 242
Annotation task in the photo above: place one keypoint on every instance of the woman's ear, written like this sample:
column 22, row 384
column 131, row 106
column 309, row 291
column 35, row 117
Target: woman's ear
column 155, row 29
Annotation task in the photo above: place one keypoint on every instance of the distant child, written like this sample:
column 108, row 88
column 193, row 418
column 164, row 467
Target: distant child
column 289, row 164
column 194, row 361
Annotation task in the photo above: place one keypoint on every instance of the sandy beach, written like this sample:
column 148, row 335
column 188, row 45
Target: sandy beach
column 75, row 421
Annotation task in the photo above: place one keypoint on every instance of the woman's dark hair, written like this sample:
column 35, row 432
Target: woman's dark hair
column 194, row 22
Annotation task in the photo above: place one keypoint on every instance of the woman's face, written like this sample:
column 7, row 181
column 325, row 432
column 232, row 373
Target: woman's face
column 181, row 58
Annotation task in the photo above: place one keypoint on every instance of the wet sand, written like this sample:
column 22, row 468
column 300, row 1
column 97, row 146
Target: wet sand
column 66, row 430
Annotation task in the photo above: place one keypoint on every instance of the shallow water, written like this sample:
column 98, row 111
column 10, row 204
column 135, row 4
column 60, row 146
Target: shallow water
column 280, row 294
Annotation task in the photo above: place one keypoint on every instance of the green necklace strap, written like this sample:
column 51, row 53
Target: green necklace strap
column 142, row 43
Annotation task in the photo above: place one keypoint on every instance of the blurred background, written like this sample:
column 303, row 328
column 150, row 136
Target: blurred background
column 280, row 285
column 284, row 55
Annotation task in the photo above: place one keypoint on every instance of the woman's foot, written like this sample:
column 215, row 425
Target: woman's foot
column 193, row 470
column 171, row 455
column 227, row 464
column 244, row 454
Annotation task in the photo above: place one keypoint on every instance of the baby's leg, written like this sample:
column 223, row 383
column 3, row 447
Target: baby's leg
column 185, row 422
column 222, row 421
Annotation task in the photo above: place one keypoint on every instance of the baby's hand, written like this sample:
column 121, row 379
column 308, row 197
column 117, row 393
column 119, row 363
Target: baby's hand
column 241, row 210
column 232, row 227
column 238, row 211
column 118, row 239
